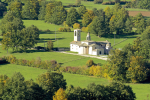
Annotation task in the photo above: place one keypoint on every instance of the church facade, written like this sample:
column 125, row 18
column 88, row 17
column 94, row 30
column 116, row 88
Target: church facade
column 87, row 46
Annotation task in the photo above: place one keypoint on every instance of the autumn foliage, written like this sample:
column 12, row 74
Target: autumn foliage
column 60, row 95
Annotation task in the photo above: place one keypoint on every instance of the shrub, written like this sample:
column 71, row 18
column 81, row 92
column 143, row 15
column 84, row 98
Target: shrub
column 89, row 63
column 64, row 29
column 76, row 26
column 50, row 45
column 64, row 24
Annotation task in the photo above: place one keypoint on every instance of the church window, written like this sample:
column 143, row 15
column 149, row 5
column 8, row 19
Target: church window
column 75, row 33
column 100, row 52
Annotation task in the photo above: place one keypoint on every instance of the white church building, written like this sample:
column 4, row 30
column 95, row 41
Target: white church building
column 87, row 46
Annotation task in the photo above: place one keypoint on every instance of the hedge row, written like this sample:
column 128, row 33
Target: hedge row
column 64, row 29
column 38, row 63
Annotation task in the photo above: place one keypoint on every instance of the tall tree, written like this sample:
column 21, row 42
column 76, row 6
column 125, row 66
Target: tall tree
column 10, row 23
column 51, row 82
column 81, row 10
column 42, row 10
column 49, row 11
column 72, row 16
column 59, row 15
column 29, row 37
column 87, row 18
column 15, row 88
column 31, row 9
column 128, row 25
column 98, row 26
column 16, row 7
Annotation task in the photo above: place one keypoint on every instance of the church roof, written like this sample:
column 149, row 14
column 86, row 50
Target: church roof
column 83, row 44
column 92, row 44
column 87, row 41
column 75, row 42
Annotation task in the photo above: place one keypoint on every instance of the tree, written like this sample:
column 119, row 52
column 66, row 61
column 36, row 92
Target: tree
column 89, row 63
column 3, row 79
column 49, row 45
column 42, row 11
column 118, row 19
column 34, row 91
column 60, row 95
column 6, row 42
column 81, row 10
column 77, row 93
column 10, row 23
column 29, row 37
column 51, row 82
column 2, row 8
column 137, row 71
column 98, row 26
column 59, row 15
column 87, row 18
column 117, row 71
column 31, row 9
column 49, row 11
column 16, row 7
column 141, row 26
column 15, row 88
column 72, row 16
column 78, row 2
column 128, row 25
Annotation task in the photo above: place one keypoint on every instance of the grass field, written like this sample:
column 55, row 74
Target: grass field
column 141, row 90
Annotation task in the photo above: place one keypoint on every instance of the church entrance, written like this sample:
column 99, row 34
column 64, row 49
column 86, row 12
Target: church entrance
column 100, row 52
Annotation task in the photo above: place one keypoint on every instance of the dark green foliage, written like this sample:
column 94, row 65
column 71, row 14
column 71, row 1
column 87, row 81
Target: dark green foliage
column 51, row 82
column 77, row 93
column 10, row 23
column 42, row 10
column 3, row 79
column 98, row 26
column 89, row 63
column 99, row 12
column 15, row 88
column 128, row 26
column 113, row 91
column 141, row 26
column 34, row 91
column 72, row 16
column 148, row 22
column 59, row 15
column 29, row 37
column 2, row 8
column 31, row 9
column 81, row 10
column 50, row 45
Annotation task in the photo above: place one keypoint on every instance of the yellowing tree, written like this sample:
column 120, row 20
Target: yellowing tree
column 49, row 11
column 76, row 26
column 60, row 95
column 137, row 71
column 87, row 17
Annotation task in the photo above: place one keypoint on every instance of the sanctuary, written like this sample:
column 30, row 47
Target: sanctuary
column 87, row 46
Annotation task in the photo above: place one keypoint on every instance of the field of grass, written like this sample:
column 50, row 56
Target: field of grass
column 141, row 90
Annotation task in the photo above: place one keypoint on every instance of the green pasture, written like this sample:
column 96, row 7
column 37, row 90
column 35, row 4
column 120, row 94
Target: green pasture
column 141, row 90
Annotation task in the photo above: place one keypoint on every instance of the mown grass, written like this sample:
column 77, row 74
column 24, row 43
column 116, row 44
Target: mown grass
column 141, row 90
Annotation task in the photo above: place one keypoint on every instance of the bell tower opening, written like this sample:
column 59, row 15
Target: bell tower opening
column 77, row 34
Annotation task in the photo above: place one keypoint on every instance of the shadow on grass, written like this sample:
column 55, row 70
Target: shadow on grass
column 4, row 63
column 42, row 40
column 48, row 32
column 120, row 36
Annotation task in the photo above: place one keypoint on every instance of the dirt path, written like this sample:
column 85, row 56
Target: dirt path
column 101, row 57
column 144, row 13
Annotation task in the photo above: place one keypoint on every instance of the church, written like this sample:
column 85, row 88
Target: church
column 87, row 46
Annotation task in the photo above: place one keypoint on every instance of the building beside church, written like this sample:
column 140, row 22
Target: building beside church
column 87, row 46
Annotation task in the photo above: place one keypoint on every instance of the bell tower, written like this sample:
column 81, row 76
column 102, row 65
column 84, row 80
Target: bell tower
column 77, row 34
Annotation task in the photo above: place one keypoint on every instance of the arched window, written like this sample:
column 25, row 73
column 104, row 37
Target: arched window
column 75, row 33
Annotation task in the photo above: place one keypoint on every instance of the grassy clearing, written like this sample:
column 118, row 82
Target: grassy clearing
column 141, row 90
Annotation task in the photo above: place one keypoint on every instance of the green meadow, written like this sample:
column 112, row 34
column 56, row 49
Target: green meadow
column 141, row 90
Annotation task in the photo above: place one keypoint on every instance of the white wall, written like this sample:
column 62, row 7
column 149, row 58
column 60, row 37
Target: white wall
column 90, row 50
column 74, row 47
column 80, row 50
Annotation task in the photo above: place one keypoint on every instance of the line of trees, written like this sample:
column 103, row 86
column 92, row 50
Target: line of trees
column 52, row 86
